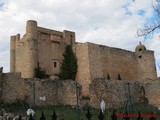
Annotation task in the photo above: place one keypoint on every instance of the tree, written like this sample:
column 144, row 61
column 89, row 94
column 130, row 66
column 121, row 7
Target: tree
column 151, row 27
column 68, row 69
column 40, row 73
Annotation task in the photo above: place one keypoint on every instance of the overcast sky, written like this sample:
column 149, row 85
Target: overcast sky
column 109, row 22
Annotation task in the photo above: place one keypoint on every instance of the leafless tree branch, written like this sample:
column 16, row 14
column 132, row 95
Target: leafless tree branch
column 148, row 29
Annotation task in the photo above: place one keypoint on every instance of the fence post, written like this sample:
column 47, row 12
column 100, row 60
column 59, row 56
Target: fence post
column 42, row 116
column 152, row 116
column 101, row 116
column 30, row 117
column 114, row 117
column 88, row 115
column 19, row 117
column 139, row 116
column 126, row 116
column 54, row 116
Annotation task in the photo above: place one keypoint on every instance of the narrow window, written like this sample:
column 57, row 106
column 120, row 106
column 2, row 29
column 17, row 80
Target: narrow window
column 140, row 56
column 108, row 77
column 119, row 77
column 55, row 64
column 140, row 49
column 71, row 39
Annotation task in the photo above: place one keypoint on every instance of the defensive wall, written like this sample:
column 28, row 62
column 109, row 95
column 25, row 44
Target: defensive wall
column 113, row 92
column 47, row 91
column 98, row 61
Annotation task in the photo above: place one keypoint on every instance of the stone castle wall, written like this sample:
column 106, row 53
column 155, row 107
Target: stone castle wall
column 115, row 92
column 56, row 92
column 153, row 92
column 97, row 61
column 112, row 61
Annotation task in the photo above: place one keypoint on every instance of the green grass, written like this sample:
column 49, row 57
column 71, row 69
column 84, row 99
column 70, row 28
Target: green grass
column 70, row 113
column 66, row 113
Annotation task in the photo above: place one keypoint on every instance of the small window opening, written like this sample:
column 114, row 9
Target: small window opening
column 55, row 64
column 119, row 77
column 140, row 56
column 108, row 77
column 140, row 49
column 71, row 39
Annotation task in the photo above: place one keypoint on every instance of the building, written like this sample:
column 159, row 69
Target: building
column 46, row 47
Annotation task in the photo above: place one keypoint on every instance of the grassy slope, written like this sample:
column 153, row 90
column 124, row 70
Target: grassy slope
column 69, row 113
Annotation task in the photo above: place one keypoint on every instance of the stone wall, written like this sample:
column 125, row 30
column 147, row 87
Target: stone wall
column 55, row 92
column 98, row 61
column 110, row 61
column 113, row 92
column 152, row 89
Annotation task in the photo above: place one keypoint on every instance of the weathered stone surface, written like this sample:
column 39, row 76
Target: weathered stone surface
column 98, row 61
column 38, row 45
column 54, row 91
column 114, row 92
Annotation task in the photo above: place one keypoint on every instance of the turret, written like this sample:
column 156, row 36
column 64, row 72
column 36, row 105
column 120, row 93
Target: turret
column 31, row 34
column 31, row 29
column 12, row 53
column 146, row 67
column 69, row 37
column 17, row 40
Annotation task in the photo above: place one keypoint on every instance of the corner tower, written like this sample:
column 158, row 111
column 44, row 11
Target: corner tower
column 12, row 53
column 146, row 67
column 31, row 48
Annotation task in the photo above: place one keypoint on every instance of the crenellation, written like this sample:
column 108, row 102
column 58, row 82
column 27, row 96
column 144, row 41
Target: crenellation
column 12, row 53
column 49, row 31
column 69, row 37
column 31, row 29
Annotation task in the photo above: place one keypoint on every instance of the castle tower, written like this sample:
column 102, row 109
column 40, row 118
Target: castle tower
column 31, row 56
column 69, row 37
column 146, row 67
column 12, row 53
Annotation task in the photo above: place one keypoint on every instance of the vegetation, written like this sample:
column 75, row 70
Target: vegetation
column 69, row 65
column 19, row 106
column 70, row 113
column 40, row 73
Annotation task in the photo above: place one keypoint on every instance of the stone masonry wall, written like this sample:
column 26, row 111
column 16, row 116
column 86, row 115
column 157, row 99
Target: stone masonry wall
column 152, row 89
column 146, row 65
column 55, row 92
column 110, row 61
column 113, row 92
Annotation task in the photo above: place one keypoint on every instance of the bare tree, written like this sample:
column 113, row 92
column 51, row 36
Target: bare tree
column 149, row 28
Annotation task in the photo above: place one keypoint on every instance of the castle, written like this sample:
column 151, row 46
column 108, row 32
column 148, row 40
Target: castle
column 46, row 47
